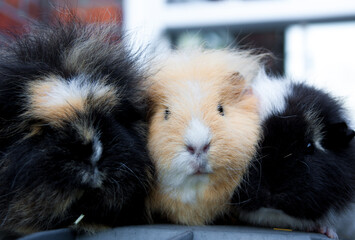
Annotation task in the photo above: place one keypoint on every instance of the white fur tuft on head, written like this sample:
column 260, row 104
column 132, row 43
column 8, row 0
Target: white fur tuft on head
column 55, row 99
column 97, row 150
column 230, row 60
column 271, row 93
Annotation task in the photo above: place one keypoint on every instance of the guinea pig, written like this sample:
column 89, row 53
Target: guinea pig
column 302, row 176
column 72, row 130
column 202, row 133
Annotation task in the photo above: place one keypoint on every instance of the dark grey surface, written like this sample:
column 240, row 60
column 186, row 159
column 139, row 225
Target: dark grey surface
column 176, row 232
column 59, row 234
column 184, row 236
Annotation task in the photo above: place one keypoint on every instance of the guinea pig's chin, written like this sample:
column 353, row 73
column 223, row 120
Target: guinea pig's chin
column 183, row 172
column 91, row 177
column 180, row 187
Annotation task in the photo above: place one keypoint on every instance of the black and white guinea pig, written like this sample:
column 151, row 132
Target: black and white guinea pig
column 72, row 130
column 303, row 175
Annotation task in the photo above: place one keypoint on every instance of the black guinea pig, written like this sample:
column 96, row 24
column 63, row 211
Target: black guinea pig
column 303, row 175
column 72, row 130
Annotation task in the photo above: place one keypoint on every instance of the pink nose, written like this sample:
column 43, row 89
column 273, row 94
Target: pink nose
column 197, row 149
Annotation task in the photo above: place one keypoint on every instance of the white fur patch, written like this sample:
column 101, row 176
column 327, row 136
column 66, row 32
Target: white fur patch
column 197, row 134
column 181, row 182
column 93, row 177
column 55, row 97
column 196, row 91
column 97, row 150
column 269, row 217
column 76, row 88
column 190, row 189
column 271, row 93
column 318, row 145
column 315, row 123
column 276, row 218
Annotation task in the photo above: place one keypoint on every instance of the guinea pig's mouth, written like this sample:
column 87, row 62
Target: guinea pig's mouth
column 199, row 173
column 200, row 167
column 202, row 171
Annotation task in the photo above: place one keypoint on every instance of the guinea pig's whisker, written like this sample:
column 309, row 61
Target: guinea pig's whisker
column 285, row 117
column 234, row 169
column 5, row 218
column 9, row 131
column 246, row 180
column 9, row 193
column 232, row 177
column 237, row 202
column 19, row 172
column 242, row 202
column 268, row 147
column 134, row 174
column 114, row 139
column 248, row 184
column 260, row 157
column 259, row 170
column 308, row 168
column 256, row 164
column 116, row 186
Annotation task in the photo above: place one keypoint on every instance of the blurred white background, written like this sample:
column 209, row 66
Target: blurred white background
column 312, row 40
column 323, row 54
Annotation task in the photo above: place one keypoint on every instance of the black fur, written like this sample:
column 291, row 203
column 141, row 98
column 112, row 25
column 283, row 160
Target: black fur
column 290, row 173
column 39, row 174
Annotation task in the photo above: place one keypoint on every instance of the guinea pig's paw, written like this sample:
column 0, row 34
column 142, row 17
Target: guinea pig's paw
column 328, row 231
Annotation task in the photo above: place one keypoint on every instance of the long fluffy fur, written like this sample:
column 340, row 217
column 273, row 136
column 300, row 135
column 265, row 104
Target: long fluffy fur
column 72, row 135
column 200, row 98
column 303, row 175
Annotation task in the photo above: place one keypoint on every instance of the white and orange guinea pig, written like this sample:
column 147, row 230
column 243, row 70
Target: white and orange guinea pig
column 204, row 127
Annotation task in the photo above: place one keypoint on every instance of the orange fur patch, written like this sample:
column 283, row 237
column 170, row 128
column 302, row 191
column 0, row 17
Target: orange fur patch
column 193, row 85
column 42, row 101
column 55, row 100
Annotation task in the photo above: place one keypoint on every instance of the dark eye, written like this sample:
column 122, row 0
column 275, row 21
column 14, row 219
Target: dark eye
column 166, row 114
column 220, row 109
column 309, row 148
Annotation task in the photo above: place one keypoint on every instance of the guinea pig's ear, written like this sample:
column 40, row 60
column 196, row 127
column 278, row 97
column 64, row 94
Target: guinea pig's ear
column 237, row 85
column 338, row 135
column 237, row 78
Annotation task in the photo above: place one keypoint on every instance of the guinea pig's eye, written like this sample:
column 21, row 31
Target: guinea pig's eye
column 220, row 109
column 309, row 148
column 166, row 113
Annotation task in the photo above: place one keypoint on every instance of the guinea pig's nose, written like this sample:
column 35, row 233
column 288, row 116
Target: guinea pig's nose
column 198, row 149
column 206, row 148
column 191, row 149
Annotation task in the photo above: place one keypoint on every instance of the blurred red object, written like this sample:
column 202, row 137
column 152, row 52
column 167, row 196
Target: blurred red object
column 14, row 14
column 91, row 10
